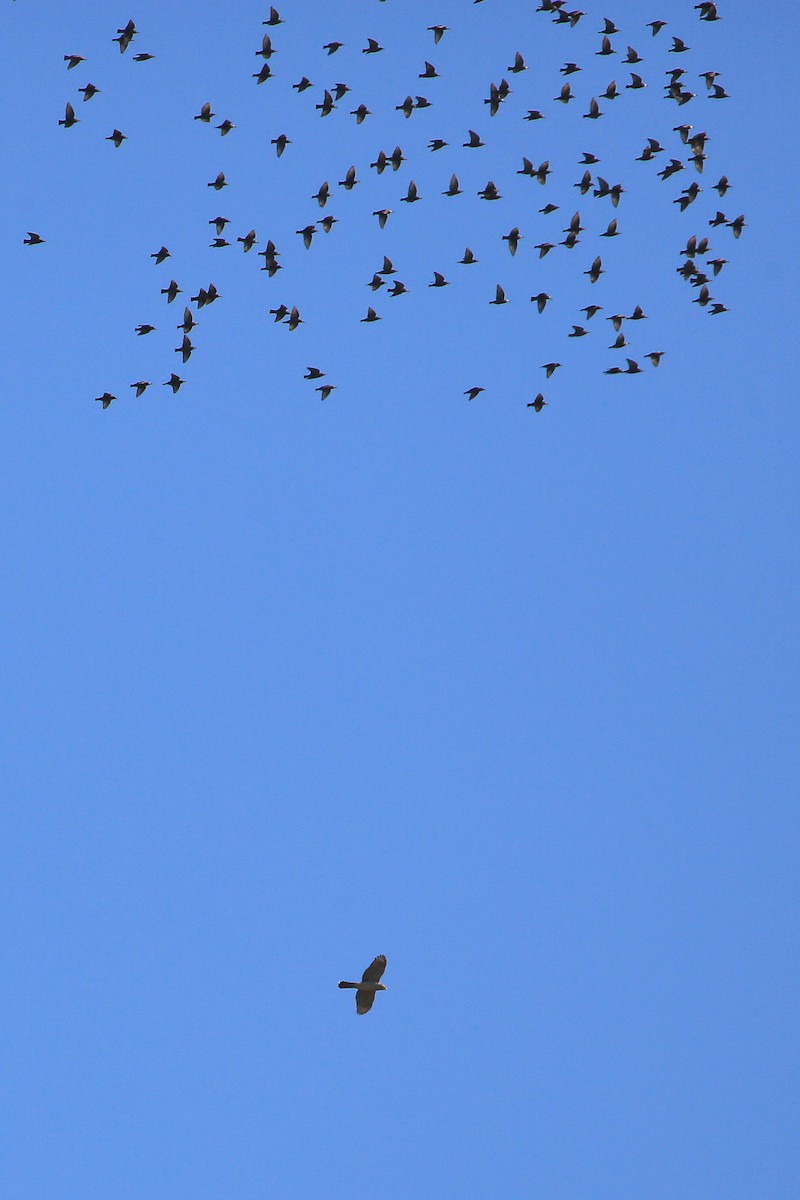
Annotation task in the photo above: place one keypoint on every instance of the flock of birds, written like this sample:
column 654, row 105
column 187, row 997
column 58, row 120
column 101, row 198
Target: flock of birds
column 690, row 145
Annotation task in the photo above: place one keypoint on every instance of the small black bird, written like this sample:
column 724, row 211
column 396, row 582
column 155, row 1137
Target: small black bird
column 174, row 382
column 69, row 117
column 33, row 239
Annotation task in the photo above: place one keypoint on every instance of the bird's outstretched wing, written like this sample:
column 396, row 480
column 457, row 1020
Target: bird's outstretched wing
column 364, row 1002
column 371, row 975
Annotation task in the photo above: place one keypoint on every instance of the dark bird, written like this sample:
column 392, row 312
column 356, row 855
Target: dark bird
column 383, row 215
column 472, row 392
column 388, row 267
column 722, row 186
column 381, row 162
column 438, row 280
column 89, row 91
column 327, row 223
column 72, row 60
column 611, row 230
column 327, row 105
column 171, row 291
column 606, row 47
column 543, row 171
column 619, row 342
column 719, row 219
column 438, row 32
column 437, row 144
column 248, row 241
column 588, row 160
column 527, row 167
column 205, row 113
column 550, row 367
column 33, row 239
column 596, row 270
column 188, row 323
column 688, row 196
column 274, row 18
column 656, row 26
column 631, row 58
column 280, row 143
column 294, row 319
column 139, row 58
column 397, row 289
column 594, row 110
column 422, row 102
column 225, row 127
column 126, row 36
column 737, row 225
column 569, row 68
column 533, row 114
column 411, row 195
column 616, row 320
column 490, row 192
column 105, row 399
column 513, row 238
column 453, row 189
column 141, row 387
column 716, row 309
column 303, row 85
column 160, row 255
column 468, row 258
column 671, row 168
column 117, row 138
column 349, row 181
column 718, row 93
column 519, row 64
column 219, row 183
column 376, row 282
column 541, row 301
column 655, row 357
column 185, row 349
column 544, row 248
column 314, row 373
column 499, row 296
column 325, row 390
column 678, row 46
column 633, row 368
column 332, row 47
column 474, row 141
column 578, row 331
column 538, row 403
column 266, row 50
column 361, row 113
column 407, row 107
column 219, row 223
column 371, row 316
column 717, row 264
column 548, row 208
column 591, row 310
column 262, row 75
column 396, row 158
column 708, row 11
column 611, row 92
column 609, row 28
column 279, row 313
column 143, row 329
column 565, row 95
column 372, row 47
column 636, row 82
column 174, row 382
column 69, row 117
column 307, row 234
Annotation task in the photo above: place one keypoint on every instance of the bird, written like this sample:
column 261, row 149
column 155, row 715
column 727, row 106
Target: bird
column 437, row 144
column 633, row 367
column 499, row 296
column 472, row 392
column 33, row 239
column 307, row 235
column 605, row 47
column 117, row 138
column 141, row 386
column 219, row 223
column 591, row 310
column 610, row 93
column 376, row 282
column 372, row 47
column 248, row 241
column 396, row 158
column 327, row 104
column 105, row 399
column 160, row 255
column 274, row 18
column 543, row 171
column 279, row 313
column 518, row 64
column 540, row 300
column 611, row 230
column 490, row 192
column 383, row 215
column 361, row 113
column 140, row 58
column 678, row 46
column 550, row 368
column 594, row 110
column 327, row 223
column 584, row 183
column 171, row 291
column 262, row 75
column 438, row 32
column 544, row 248
column 314, row 373
column 141, row 330
column 280, row 143
column 69, row 117
column 453, row 188
column 638, row 314
column 655, row 356
column 188, row 323
column 533, row 114
column 174, row 382
column 406, row 108
column 294, row 319
column 411, row 195
column 397, row 289
column 737, row 225
column 322, row 195
column 438, row 280
column 205, row 113
column 565, row 95
column 332, row 47
column 325, row 390
column 636, row 82
column 656, row 26
column 468, row 258
column 578, row 331
column 126, row 36
column 619, row 342
column 72, row 60
column 219, row 183
column 89, row 91
column 225, row 127
column 513, row 238
column 266, row 50
column 474, row 141
column 596, row 270
column 388, row 267
column 538, row 402
column 430, row 72
column 371, row 316
column 349, row 181
column 303, row 85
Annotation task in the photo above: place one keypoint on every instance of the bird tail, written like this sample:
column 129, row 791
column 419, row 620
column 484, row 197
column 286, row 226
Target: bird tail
column 352, row 985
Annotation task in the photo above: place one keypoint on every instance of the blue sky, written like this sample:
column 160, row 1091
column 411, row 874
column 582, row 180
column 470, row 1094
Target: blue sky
column 510, row 697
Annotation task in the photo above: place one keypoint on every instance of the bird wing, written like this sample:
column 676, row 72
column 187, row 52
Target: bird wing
column 374, row 972
column 364, row 1001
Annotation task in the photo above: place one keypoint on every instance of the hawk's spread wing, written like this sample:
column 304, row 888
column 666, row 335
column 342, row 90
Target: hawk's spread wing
column 364, row 1002
column 371, row 975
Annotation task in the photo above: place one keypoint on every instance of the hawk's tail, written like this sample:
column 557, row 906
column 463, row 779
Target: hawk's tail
column 353, row 985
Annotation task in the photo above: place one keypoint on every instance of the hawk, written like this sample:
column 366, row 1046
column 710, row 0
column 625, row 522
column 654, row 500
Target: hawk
column 365, row 993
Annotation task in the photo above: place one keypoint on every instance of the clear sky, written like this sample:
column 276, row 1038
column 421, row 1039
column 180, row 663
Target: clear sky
column 508, row 696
